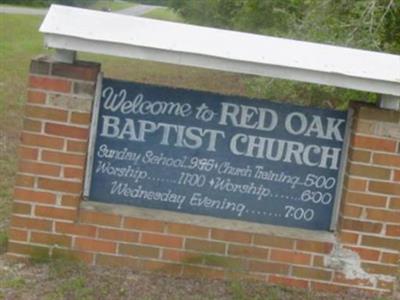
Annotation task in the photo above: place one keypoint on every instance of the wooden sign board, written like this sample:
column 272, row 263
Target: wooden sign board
column 221, row 156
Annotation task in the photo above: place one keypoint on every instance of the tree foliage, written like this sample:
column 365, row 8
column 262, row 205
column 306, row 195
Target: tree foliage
column 367, row 24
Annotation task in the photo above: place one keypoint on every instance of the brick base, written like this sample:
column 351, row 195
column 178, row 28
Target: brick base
column 48, row 218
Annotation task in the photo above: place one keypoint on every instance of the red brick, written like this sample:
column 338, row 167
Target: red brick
column 359, row 155
column 39, row 140
column 369, row 172
column 380, row 242
column 340, row 278
column 226, row 262
column 348, row 237
column 374, row 113
column 80, row 118
column 354, row 184
column 60, row 185
column 383, row 215
column 182, row 256
column 273, row 241
column 75, row 173
column 63, row 158
column 393, row 230
column 396, row 176
column 21, row 208
column 231, row 236
column 99, row 218
column 76, row 229
column 290, row 257
column 365, row 253
column 248, row 251
column 386, row 285
column 386, row 160
column 38, row 168
column 328, row 287
column 235, row 275
column 365, row 199
column 73, row 254
column 379, row 269
column 87, row 244
column 372, row 143
column 205, row 246
column 50, row 239
column 142, row 224
column 40, row 66
column 69, row 200
column 34, row 196
column 77, row 146
column 51, row 84
column 162, row 267
column 31, row 223
column 268, row 267
column 311, row 246
column 26, row 153
column 356, row 225
column 26, row 249
column 67, row 131
column 55, row 213
column 390, row 258
column 139, row 251
column 188, row 230
column 161, row 240
column 47, row 113
column 289, row 282
column 352, row 211
column 384, row 187
column 24, row 180
column 32, row 125
column 18, row 235
column 118, row 235
column 119, row 262
column 360, row 126
column 318, row 261
column 394, row 203
column 311, row 273
column 36, row 97
column 76, row 71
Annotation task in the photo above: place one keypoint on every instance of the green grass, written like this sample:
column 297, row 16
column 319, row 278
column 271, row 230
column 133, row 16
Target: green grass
column 101, row 4
column 20, row 41
column 165, row 14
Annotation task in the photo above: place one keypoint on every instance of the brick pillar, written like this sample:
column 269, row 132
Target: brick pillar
column 370, row 215
column 52, row 156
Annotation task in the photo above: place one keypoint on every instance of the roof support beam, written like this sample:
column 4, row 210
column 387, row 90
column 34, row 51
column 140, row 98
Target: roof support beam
column 65, row 56
column 389, row 102
column 225, row 50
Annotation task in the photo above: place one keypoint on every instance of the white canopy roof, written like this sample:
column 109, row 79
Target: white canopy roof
column 86, row 30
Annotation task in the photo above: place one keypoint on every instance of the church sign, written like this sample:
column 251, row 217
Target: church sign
column 216, row 155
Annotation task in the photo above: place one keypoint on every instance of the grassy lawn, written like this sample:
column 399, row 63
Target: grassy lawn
column 165, row 14
column 111, row 4
column 20, row 41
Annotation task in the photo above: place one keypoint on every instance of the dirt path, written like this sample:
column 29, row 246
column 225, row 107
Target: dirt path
column 137, row 10
column 22, row 10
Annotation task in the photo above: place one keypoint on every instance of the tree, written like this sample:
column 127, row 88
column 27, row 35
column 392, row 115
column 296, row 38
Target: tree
column 367, row 24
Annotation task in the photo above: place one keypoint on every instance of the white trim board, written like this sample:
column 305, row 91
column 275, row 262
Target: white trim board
column 86, row 30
